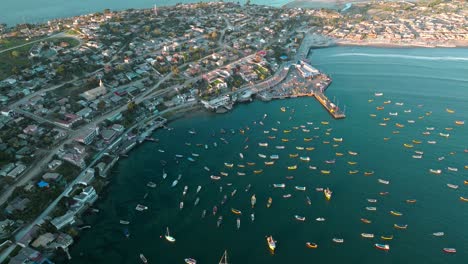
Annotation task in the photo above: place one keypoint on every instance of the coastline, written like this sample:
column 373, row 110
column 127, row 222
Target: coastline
column 384, row 44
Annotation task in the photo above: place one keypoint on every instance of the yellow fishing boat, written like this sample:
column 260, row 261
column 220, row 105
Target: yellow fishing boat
column 269, row 163
column 387, row 102
column 258, row 171
column 421, row 117
column 307, row 139
column 339, row 154
column 463, row 199
column 386, row 118
column 251, row 163
column 373, row 115
column 283, row 109
column 293, row 155
column 449, row 128
column 241, row 165
column 380, row 108
column 450, row 111
column 387, row 237
column 229, row 165
column 309, row 148
column 368, row 173
column 235, row 211
column 292, row 167
column 352, row 162
column 399, row 125
column 386, row 139
column 396, row 132
column 271, row 137
column 324, row 122
column 416, row 141
column 325, row 171
column 286, row 131
column 459, row 123
column 326, row 142
column 370, row 100
column 352, row 153
column 395, row 213
column 407, row 145
column 353, row 171
column 284, row 139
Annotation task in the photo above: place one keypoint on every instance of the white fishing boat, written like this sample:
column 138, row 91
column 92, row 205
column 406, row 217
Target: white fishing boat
column 452, row 169
column 263, row 144
column 241, row 155
column 417, row 156
column 435, row 171
column 371, row 208
column 195, row 155
column 185, row 190
column 151, row 184
column 320, row 219
column 238, row 222
column 338, row 240
column 164, row 175
column 280, row 147
column 378, row 94
column 263, row 156
column 274, row 157
column 279, row 185
column 393, row 113
column 141, row 208
column 198, row 188
column 197, row 201
column 438, row 234
column 224, row 258
column 384, row 181
column 372, row 200
column 252, row 217
column 161, row 150
column 307, row 159
column 367, row 235
column 206, row 168
column 300, row 188
column 174, row 183
column 452, row 186
column 181, row 205
column 124, row 222
column 168, row 236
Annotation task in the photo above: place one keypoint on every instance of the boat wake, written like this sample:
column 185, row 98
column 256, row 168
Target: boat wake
column 399, row 56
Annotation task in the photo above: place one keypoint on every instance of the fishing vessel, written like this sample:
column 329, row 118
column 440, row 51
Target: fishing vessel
column 384, row 181
column 325, row 171
column 330, row 161
column 438, row 234
column 279, row 185
column 400, row 226
column 238, row 222
column 410, row 201
column 253, row 200
column 174, row 183
column 214, row 177
column 372, row 200
column 320, row 219
column 300, row 188
column 198, row 188
column 164, row 175
column 229, row 165
column 293, row 155
column 435, row 171
column 368, row 173
column 366, row 221
column 185, row 190
column 151, row 184
column 378, row 94
column 235, row 211
column 452, row 186
column 271, row 243
column 269, row 163
column 417, row 156
column 143, row 258
column 367, row 235
column 274, row 157
column 279, row 147
column 168, row 236
column 257, row 171
column 311, row 245
column 300, row 218
column 292, row 167
column 444, row 135
column 371, row 208
column 450, row 111
column 452, row 169
column 338, row 240
column 449, row 250
column 463, row 199
column 124, row 222
column 338, row 139
column 407, row 145
column 352, row 153
column 309, row 202
column 327, row 193
column 307, row 159
column 181, row 205
column 252, row 217
column 270, row 200
column 263, row 144
column 190, row 261
column 215, row 210
column 220, row 220
column 140, row 207
column 459, row 123
column 234, row 192
column 396, row 213
column 382, row 247
column 353, row 171
column 387, row 237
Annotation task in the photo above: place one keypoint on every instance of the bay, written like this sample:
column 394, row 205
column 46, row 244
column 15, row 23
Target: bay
column 427, row 81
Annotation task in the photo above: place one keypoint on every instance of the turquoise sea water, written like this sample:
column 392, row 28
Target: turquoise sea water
column 434, row 79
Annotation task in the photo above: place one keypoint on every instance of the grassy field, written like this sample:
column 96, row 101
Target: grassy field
column 18, row 58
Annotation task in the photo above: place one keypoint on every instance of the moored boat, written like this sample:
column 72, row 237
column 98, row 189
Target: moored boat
column 449, row 250
column 396, row 213
column 452, row 186
column 338, row 240
column 435, row 171
column 382, row 247
column 387, row 237
column 411, row 201
column 366, row 221
column 367, row 235
column 311, row 245
column 270, row 200
column 279, row 185
column 327, row 193
column 235, row 211
column 400, row 226
column 271, row 243
column 463, row 199
column 168, row 236
column 214, row 177
column 253, row 200
column 190, row 261
column 371, row 208
column 143, row 258
column 300, row 218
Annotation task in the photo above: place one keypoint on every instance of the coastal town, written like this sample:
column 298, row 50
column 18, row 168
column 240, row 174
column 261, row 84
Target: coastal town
column 78, row 94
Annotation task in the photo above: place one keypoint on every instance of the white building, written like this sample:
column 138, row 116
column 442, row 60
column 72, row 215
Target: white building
column 92, row 94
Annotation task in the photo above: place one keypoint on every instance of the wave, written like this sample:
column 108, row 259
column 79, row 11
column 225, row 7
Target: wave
column 413, row 57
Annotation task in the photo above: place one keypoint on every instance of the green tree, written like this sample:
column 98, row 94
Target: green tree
column 101, row 105
column 15, row 54
column 131, row 106
column 61, row 70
